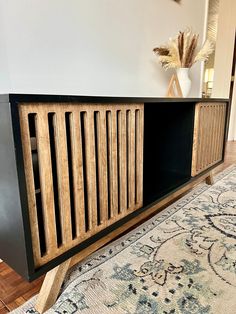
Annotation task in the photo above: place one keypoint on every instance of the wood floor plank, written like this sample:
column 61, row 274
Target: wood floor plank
column 1, row 305
column 16, row 303
column 4, row 310
column 13, row 287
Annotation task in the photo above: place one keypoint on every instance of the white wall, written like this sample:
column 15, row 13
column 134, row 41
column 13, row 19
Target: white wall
column 224, row 58
column 92, row 47
column 4, row 73
column 232, row 124
column 224, row 48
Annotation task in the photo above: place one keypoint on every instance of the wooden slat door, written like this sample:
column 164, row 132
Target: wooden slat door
column 84, row 170
column 208, row 138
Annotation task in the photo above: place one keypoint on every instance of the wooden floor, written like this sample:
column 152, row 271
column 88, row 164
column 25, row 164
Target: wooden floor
column 14, row 290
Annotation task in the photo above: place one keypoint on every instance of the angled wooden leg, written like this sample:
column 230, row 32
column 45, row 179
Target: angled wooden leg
column 51, row 287
column 210, row 179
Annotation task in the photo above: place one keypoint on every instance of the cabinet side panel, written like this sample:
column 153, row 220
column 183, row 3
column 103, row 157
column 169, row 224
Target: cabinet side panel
column 12, row 242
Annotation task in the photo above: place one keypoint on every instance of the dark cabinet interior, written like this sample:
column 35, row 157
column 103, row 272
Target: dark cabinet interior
column 168, row 137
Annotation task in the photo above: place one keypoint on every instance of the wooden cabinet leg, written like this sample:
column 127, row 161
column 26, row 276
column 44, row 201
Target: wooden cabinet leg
column 210, row 179
column 51, row 287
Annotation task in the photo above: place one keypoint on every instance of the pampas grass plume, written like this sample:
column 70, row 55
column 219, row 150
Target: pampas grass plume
column 181, row 51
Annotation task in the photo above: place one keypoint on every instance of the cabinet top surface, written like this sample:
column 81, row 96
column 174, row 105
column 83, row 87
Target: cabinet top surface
column 17, row 98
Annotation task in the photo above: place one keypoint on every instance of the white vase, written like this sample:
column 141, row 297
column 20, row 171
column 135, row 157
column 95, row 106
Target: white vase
column 184, row 80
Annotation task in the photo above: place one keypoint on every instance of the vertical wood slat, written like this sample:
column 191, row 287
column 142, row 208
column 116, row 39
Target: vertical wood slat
column 139, row 115
column 78, row 173
column 209, row 136
column 122, row 138
column 102, row 165
column 63, row 175
column 204, row 130
column 196, row 134
column 216, row 141
column 223, row 110
column 217, row 132
column 195, row 139
column 46, row 180
column 221, row 123
column 113, row 164
column 90, row 168
column 131, row 158
column 106, row 156
column 209, row 127
column 212, row 147
column 25, row 136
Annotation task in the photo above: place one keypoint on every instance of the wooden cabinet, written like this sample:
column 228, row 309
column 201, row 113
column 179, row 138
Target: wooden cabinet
column 209, row 134
column 76, row 171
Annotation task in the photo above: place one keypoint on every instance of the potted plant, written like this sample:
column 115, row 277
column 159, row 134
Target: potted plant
column 181, row 53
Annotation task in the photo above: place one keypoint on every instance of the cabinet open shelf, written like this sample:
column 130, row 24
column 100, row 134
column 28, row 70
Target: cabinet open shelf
column 168, row 138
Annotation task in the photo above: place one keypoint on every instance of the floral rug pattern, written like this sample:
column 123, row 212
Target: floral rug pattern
column 183, row 260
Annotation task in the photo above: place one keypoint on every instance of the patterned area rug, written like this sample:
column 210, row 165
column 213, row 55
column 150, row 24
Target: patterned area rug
column 183, row 260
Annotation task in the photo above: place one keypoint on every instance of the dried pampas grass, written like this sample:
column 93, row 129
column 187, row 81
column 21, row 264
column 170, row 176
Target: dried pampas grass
column 205, row 52
column 181, row 51
column 168, row 55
